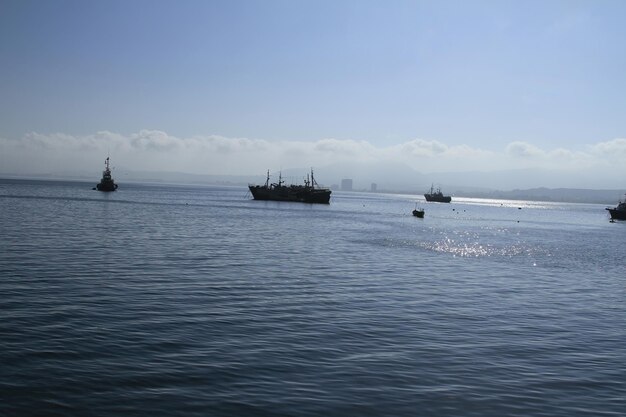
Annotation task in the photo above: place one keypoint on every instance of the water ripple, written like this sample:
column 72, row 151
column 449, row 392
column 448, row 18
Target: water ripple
column 224, row 307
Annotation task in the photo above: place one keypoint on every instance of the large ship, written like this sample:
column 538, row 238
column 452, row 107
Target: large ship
column 619, row 212
column 106, row 183
column 310, row 192
column 437, row 196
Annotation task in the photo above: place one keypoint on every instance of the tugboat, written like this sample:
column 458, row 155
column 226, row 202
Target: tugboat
column 106, row 183
column 619, row 212
column 437, row 196
column 310, row 192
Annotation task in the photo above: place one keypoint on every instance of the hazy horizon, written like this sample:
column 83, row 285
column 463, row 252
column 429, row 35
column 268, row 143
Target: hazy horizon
column 519, row 95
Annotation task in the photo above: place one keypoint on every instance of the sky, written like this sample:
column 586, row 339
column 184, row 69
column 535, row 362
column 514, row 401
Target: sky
column 237, row 87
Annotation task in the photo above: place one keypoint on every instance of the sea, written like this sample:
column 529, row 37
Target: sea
column 191, row 300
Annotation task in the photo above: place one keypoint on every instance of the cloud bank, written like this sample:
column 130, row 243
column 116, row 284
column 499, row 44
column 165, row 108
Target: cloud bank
column 154, row 150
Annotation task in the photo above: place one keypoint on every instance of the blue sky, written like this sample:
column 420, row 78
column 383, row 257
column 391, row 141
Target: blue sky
column 457, row 85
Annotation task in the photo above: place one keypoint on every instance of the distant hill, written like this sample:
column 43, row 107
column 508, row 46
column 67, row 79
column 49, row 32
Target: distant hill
column 389, row 177
column 570, row 195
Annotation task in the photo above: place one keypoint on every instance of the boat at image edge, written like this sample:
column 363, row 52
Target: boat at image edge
column 310, row 192
column 106, row 183
column 618, row 212
column 437, row 196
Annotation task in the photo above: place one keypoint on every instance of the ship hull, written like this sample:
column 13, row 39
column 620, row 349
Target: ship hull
column 438, row 199
column 106, row 186
column 293, row 194
column 617, row 214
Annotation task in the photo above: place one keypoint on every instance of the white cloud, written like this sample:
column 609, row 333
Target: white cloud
column 420, row 148
column 615, row 148
column 524, row 150
column 527, row 156
column 158, row 151
column 154, row 140
column 347, row 148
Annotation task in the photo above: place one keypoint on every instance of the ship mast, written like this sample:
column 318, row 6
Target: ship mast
column 313, row 183
column 107, row 170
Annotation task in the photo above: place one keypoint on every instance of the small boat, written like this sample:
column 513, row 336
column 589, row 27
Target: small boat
column 618, row 212
column 106, row 183
column 310, row 192
column 418, row 212
column 437, row 196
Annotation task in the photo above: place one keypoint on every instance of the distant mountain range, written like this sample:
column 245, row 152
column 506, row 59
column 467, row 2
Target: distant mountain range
column 570, row 195
column 397, row 178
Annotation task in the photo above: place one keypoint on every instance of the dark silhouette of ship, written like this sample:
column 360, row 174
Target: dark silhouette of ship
column 310, row 192
column 618, row 212
column 418, row 213
column 106, row 183
column 437, row 196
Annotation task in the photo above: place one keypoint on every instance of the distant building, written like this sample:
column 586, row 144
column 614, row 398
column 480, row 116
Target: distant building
column 373, row 187
column 346, row 184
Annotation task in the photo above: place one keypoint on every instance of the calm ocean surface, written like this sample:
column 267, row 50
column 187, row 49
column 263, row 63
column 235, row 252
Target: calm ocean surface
column 198, row 301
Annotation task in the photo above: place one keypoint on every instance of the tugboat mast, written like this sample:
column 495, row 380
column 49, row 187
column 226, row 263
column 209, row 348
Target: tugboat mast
column 107, row 170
